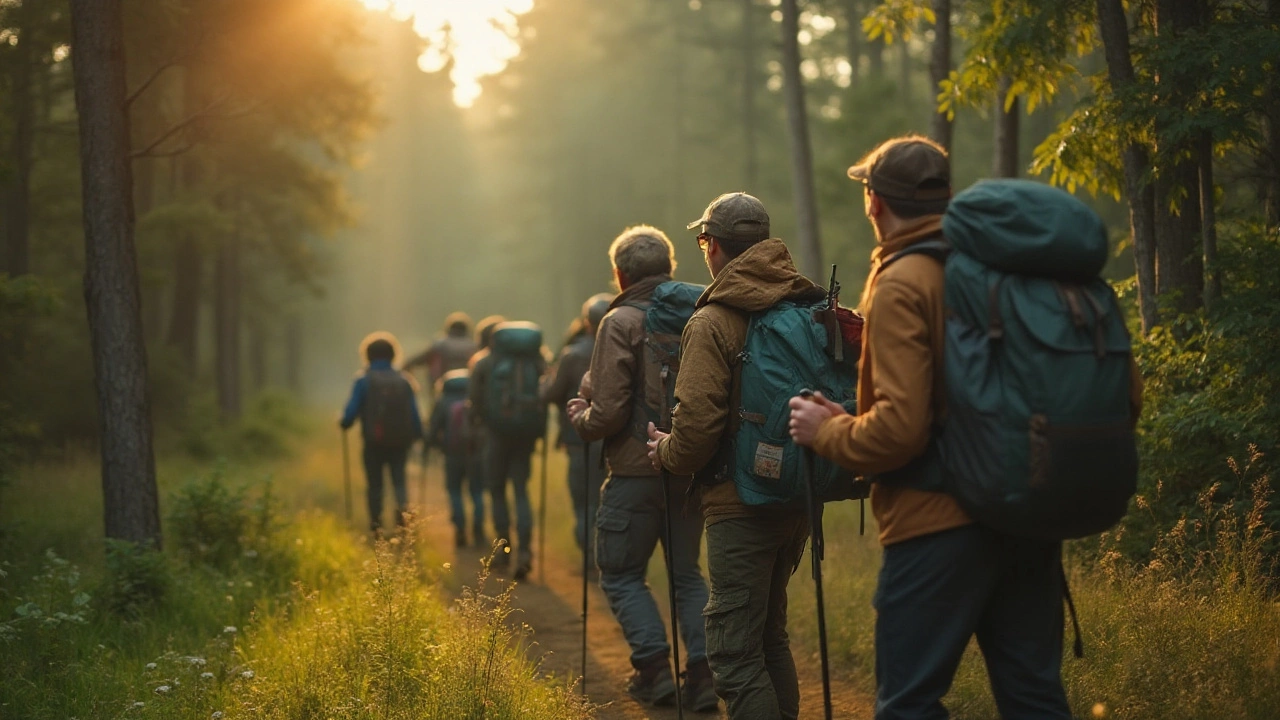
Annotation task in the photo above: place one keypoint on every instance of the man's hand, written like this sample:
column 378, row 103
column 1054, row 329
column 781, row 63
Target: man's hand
column 808, row 414
column 575, row 408
column 655, row 436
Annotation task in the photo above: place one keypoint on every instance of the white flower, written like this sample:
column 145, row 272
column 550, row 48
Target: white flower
column 248, row 583
column 151, row 666
column 139, row 704
column 163, row 689
column 247, row 674
column 230, row 630
column 217, row 715
column 206, row 676
column 198, row 661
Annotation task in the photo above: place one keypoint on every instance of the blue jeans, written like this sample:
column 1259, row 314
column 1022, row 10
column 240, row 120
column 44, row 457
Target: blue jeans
column 459, row 470
column 751, row 561
column 629, row 526
column 937, row 591
column 586, row 475
column 508, row 460
column 375, row 459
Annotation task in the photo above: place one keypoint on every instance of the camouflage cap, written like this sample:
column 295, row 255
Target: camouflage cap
column 735, row 217
column 911, row 168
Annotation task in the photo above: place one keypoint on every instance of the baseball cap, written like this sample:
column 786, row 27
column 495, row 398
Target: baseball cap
column 734, row 216
column 596, row 307
column 911, row 168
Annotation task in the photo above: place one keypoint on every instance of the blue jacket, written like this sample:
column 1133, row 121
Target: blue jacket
column 361, row 389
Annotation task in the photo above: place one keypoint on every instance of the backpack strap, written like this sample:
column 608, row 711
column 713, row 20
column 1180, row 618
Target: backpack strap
column 937, row 248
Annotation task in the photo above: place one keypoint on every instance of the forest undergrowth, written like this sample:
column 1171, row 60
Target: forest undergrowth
column 263, row 604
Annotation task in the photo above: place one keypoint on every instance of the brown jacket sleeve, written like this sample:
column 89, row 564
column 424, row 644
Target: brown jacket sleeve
column 896, row 426
column 613, row 369
column 702, row 398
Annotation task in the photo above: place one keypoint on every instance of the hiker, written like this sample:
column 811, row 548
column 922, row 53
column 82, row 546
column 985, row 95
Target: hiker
column 586, row 471
column 944, row 577
column 631, row 520
column 505, row 379
column 384, row 401
column 447, row 353
column 752, row 551
column 451, row 431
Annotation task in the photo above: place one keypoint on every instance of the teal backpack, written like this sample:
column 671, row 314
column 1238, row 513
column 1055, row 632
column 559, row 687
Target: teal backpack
column 513, row 408
column 788, row 349
column 1038, row 440
column 665, row 315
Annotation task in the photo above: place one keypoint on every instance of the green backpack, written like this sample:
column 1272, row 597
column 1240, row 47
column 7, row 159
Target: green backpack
column 787, row 350
column 665, row 315
column 512, row 406
column 1038, row 440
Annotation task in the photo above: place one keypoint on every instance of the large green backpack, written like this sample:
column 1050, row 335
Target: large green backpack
column 512, row 406
column 787, row 350
column 665, row 315
column 1038, row 440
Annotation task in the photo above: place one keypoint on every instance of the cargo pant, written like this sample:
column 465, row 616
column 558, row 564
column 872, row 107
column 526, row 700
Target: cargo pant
column 750, row 562
column 937, row 591
column 629, row 526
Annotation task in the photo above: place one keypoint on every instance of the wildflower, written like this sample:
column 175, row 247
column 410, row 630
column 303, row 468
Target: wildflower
column 151, row 666
column 206, row 676
column 231, row 583
column 163, row 689
column 1099, row 710
column 447, row 566
column 197, row 661
column 247, row 674
column 139, row 705
column 230, row 630
column 248, row 583
column 217, row 715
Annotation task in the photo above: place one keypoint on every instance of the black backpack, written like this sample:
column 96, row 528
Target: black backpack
column 388, row 410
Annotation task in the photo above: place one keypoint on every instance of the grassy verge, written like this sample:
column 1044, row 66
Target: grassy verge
column 1195, row 633
column 263, row 605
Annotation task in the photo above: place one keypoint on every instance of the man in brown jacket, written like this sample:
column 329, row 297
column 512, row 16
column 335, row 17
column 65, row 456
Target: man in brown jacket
column 751, row 551
column 944, row 578
column 630, row 521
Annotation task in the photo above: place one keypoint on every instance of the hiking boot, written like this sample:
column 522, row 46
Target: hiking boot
column 522, row 571
column 699, row 692
column 653, row 684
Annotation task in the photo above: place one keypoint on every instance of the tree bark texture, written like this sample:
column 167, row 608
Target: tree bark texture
column 130, row 503
column 1005, row 163
column 1114, row 29
column 806, row 201
column 1180, row 266
column 940, row 69
column 226, row 320
column 17, row 200
column 750, row 77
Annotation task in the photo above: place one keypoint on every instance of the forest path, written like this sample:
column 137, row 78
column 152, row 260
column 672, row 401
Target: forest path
column 550, row 603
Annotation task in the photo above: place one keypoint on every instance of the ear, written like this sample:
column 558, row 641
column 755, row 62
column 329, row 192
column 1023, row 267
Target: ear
column 875, row 206
column 620, row 279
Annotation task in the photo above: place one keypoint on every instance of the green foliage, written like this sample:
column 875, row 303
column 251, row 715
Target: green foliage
column 208, row 521
column 136, row 581
column 896, row 19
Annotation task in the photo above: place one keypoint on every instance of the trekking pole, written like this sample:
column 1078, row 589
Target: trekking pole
column 816, row 551
column 542, row 517
column 586, row 543
column 671, row 589
column 346, row 474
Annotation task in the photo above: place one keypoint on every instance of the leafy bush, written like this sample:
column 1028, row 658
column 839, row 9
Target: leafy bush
column 136, row 581
column 209, row 520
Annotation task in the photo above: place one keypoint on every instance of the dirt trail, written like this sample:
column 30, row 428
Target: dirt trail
column 550, row 602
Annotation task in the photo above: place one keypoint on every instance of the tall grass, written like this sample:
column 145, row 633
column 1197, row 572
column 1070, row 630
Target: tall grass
column 1194, row 633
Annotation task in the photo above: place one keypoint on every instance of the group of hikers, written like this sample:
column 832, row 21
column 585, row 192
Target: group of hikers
column 982, row 396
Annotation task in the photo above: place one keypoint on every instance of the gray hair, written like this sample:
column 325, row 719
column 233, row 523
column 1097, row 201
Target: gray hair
column 643, row 251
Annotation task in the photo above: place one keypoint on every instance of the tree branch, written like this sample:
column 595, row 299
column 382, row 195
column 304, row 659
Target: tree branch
column 165, row 67
column 209, row 111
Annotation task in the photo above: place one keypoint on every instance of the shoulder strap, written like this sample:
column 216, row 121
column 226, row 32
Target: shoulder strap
column 937, row 248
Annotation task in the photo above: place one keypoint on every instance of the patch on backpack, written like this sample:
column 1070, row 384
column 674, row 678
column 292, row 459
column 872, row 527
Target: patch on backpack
column 768, row 461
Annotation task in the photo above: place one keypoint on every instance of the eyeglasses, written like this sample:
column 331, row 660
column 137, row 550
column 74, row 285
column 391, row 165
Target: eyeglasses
column 703, row 240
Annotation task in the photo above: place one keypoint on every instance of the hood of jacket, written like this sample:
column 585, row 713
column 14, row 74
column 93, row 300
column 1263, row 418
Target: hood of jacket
column 760, row 278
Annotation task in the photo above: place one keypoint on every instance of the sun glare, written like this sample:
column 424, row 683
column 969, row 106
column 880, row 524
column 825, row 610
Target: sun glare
column 478, row 34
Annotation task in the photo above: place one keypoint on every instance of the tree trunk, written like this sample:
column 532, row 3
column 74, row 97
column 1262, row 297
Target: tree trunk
column 801, row 154
column 226, row 321
column 293, row 353
column 1180, row 270
column 751, row 158
column 17, row 201
column 1114, row 29
column 939, row 70
column 130, row 504
column 1272, row 163
column 853, row 39
column 1005, row 162
column 1208, row 218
